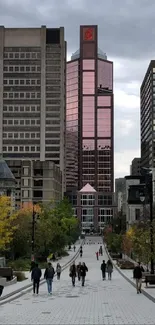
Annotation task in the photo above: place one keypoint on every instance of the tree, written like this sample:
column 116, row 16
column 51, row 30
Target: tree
column 7, row 219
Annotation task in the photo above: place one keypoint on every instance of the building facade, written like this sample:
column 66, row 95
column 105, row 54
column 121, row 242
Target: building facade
column 147, row 112
column 135, row 168
column 89, row 118
column 32, row 96
column 120, row 194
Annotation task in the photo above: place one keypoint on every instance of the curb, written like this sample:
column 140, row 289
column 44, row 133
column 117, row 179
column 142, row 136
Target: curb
column 127, row 279
column 22, row 291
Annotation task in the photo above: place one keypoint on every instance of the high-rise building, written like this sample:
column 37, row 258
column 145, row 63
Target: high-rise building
column 89, row 122
column 135, row 168
column 32, row 97
column 147, row 111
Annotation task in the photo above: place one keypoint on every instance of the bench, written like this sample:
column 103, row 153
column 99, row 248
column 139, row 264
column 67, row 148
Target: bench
column 150, row 278
column 6, row 272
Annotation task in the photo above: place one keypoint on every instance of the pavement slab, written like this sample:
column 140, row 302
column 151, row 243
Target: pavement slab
column 99, row 302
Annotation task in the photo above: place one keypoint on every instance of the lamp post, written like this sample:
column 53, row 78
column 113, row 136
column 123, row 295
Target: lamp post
column 33, row 234
column 142, row 199
column 149, row 196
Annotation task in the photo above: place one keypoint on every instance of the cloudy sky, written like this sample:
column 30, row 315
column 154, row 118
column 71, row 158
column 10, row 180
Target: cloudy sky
column 126, row 34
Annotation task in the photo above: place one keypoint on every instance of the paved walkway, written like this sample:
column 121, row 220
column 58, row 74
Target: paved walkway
column 99, row 302
column 20, row 285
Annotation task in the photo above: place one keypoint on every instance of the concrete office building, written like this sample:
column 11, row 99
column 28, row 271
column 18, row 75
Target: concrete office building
column 147, row 112
column 32, row 97
column 89, row 128
column 135, row 167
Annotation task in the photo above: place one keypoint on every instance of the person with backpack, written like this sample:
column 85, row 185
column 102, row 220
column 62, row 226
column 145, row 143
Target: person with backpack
column 49, row 275
column 35, row 277
column 58, row 271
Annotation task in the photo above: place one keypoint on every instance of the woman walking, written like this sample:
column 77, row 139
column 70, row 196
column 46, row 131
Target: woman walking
column 109, row 269
column 58, row 270
column 73, row 273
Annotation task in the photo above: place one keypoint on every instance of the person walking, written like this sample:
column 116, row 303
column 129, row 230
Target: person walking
column 74, row 248
column 79, row 271
column 49, row 275
column 35, row 277
column 97, row 256
column 73, row 273
column 84, row 270
column 109, row 269
column 137, row 273
column 103, row 269
column 58, row 271
column 81, row 251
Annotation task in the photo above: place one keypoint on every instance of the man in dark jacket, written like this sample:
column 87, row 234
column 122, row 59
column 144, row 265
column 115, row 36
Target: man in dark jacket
column 35, row 276
column 103, row 269
column 49, row 275
column 138, row 277
column 83, row 270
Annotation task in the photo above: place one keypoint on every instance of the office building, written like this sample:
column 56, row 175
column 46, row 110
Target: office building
column 32, row 97
column 89, row 126
column 135, row 168
column 147, row 112
column 7, row 182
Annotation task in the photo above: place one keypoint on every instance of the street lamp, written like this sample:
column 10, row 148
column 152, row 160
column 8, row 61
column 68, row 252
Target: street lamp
column 149, row 196
column 33, row 234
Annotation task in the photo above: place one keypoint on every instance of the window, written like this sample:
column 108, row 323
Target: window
column 25, row 194
column 25, row 182
column 25, row 171
column 137, row 214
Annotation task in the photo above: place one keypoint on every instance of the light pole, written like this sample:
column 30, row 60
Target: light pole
column 142, row 199
column 33, row 234
column 149, row 197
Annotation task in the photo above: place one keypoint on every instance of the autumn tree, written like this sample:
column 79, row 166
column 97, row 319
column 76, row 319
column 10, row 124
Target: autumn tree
column 7, row 222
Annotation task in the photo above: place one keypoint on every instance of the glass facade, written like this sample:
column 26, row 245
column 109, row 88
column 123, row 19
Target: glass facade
column 72, row 124
column 105, row 74
column 88, row 164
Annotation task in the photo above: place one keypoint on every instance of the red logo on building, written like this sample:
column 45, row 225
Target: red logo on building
column 88, row 35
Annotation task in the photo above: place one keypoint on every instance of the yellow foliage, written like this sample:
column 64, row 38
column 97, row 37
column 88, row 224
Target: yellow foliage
column 7, row 218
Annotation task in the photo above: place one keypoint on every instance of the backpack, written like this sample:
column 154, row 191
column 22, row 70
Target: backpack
column 50, row 273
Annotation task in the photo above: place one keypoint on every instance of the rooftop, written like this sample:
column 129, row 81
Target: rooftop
column 5, row 172
column 101, row 55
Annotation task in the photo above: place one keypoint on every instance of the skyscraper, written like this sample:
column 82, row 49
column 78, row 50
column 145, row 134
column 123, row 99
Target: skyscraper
column 32, row 103
column 89, row 118
column 147, row 112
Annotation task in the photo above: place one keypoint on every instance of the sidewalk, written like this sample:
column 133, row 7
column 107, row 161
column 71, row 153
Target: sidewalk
column 21, row 285
column 149, row 292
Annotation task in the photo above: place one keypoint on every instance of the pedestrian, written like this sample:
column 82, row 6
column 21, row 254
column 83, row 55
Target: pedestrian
column 49, row 275
column 97, row 255
column 58, row 270
column 79, row 271
column 84, row 270
column 73, row 273
column 35, row 277
column 81, row 251
column 103, row 269
column 33, row 265
column 109, row 269
column 74, row 248
column 137, row 273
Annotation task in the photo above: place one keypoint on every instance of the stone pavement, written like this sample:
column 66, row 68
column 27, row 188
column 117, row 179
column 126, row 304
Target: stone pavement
column 99, row 302
column 20, row 285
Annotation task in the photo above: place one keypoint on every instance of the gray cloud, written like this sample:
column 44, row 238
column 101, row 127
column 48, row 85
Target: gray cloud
column 126, row 27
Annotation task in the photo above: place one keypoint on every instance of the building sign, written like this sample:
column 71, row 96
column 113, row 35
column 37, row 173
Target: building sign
column 88, row 34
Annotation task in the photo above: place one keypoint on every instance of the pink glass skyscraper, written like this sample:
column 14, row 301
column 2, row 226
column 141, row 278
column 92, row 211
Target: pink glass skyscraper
column 89, row 117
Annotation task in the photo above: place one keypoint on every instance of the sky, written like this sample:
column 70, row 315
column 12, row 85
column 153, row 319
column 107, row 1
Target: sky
column 126, row 33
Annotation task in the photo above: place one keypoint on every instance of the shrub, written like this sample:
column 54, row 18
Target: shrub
column 20, row 264
column 20, row 276
column 125, row 265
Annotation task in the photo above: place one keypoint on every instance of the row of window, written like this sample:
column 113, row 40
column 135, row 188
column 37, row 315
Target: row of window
column 15, row 135
column 22, row 82
column 21, row 122
column 21, row 149
column 13, row 108
column 22, row 55
column 15, row 95
column 23, row 69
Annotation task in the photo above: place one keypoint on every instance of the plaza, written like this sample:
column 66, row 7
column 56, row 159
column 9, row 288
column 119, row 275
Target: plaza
column 99, row 302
